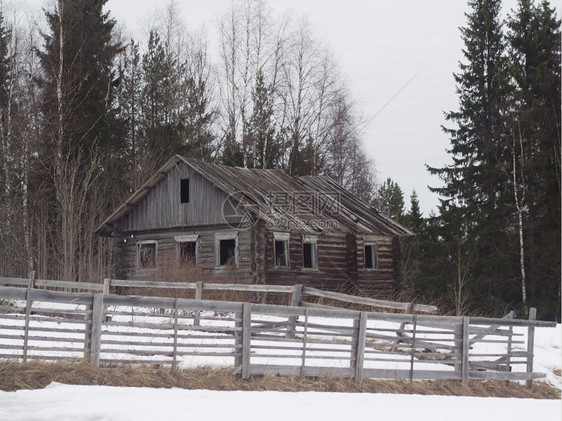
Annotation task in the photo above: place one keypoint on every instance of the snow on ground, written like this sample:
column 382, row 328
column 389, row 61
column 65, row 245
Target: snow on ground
column 60, row 402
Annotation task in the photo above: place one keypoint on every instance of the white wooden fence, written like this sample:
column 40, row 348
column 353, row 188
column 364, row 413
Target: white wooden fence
column 261, row 339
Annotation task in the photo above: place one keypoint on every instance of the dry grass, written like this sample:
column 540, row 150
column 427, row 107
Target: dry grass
column 37, row 375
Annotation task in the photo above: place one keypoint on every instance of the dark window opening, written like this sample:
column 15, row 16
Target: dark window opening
column 309, row 255
column 184, row 190
column 147, row 256
column 281, row 255
column 188, row 252
column 227, row 252
column 370, row 257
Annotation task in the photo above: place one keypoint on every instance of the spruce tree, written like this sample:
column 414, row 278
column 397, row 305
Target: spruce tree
column 534, row 54
column 263, row 143
column 475, row 186
column 78, row 75
column 390, row 200
column 81, row 152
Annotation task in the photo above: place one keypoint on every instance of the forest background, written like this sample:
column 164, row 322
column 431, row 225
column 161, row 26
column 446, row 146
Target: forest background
column 88, row 115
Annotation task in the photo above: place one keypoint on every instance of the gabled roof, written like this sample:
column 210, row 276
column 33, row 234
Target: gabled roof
column 272, row 194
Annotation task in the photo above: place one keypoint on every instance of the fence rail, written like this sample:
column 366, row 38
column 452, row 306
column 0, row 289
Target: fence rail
column 297, row 293
column 261, row 338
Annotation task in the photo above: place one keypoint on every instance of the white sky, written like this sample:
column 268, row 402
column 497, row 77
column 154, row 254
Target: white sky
column 380, row 46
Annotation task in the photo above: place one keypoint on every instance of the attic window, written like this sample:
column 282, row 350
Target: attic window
column 370, row 256
column 184, row 190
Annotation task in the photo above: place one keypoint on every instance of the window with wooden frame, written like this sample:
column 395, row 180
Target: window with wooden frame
column 309, row 252
column 226, row 248
column 146, row 254
column 371, row 258
column 281, row 249
column 186, row 249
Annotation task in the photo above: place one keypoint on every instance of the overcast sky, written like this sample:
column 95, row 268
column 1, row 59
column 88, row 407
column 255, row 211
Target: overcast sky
column 380, row 45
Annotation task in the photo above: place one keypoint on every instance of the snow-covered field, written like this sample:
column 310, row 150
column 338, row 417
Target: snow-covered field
column 66, row 402
column 62, row 402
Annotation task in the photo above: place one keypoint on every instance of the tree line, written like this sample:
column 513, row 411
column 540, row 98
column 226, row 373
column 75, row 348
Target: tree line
column 494, row 244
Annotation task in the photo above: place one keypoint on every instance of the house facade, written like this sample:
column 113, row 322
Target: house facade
column 254, row 226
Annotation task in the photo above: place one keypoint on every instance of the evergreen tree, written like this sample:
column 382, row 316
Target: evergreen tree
column 77, row 60
column 163, row 130
column 80, row 151
column 263, row 143
column 475, row 186
column 425, row 262
column 390, row 200
column 129, row 99
column 534, row 53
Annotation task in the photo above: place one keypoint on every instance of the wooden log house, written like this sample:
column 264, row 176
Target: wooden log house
column 255, row 226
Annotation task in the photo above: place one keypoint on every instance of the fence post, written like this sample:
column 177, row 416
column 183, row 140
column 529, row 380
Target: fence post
column 413, row 353
column 465, row 349
column 360, row 347
column 28, row 304
column 304, row 342
column 531, row 344
column 198, row 296
column 239, row 326
column 246, row 339
column 31, row 281
column 458, row 334
column 88, row 330
column 295, row 302
column 400, row 331
column 511, row 315
column 106, row 283
column 95, row 339
column 175, row 346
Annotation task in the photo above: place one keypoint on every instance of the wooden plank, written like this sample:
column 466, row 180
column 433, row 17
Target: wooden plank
column 198, row 296
column 509, row 343
column 458, row 347
column 304, row 341
column 246, row 339
column 497, row 375
column 32, row 280
column 465, row 350
column 413, row 349
column 175, row 346
column 295, row 300
column 152, row 284
column 287, row 370
column 46, row 283
column 512, row 322
column 28, row 304
column 14, row 281
column 368, row 301
column 13, row 293
column 531, row 344
column 404, row 374
column 400, row 331
column 95, row 342
column 360, row 348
